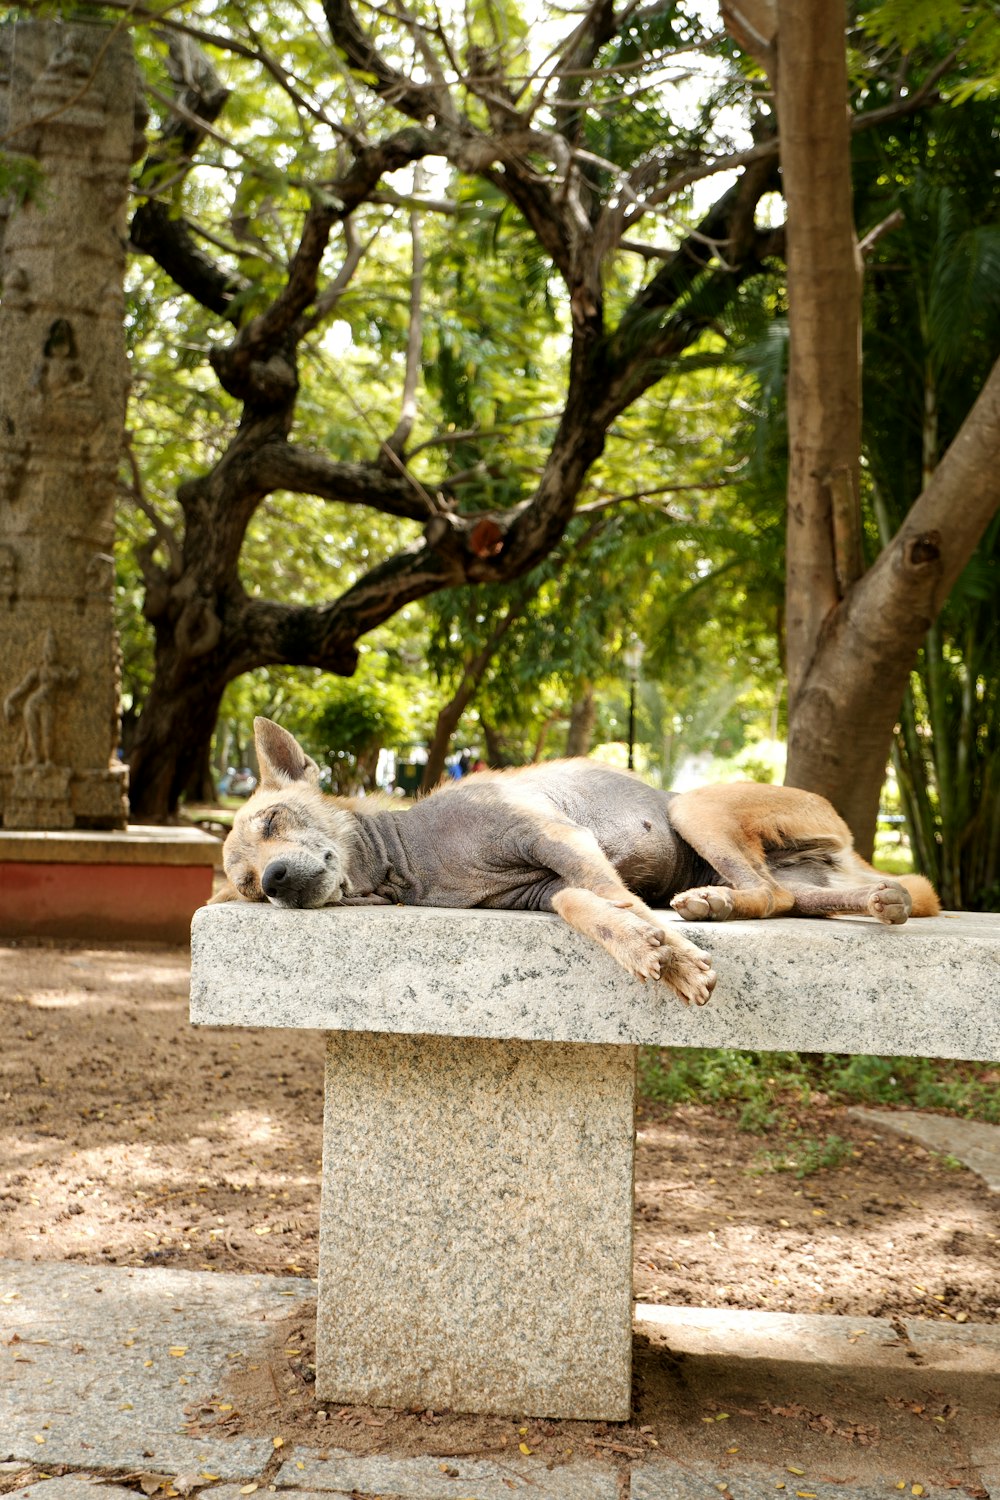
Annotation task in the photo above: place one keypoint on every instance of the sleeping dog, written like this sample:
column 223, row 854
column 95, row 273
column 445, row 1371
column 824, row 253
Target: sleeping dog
column 597, row 846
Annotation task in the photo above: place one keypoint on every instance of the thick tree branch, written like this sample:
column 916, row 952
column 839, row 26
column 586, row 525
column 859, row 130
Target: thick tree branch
column 419, row 102
column 866, row 653
column 286, row 466
column 259, row 363
column 946, row 522
column 171, row 243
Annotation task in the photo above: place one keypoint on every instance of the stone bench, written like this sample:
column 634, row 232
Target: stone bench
column 476, row 1216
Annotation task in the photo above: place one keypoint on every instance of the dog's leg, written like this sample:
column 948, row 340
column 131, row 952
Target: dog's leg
column 592, row 897
column 887, row 901
column 731, row 827
column 629, row 931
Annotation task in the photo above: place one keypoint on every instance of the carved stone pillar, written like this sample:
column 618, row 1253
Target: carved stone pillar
column 68, row 99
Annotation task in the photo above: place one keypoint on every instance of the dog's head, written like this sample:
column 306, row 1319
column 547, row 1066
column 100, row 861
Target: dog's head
column 289, row 844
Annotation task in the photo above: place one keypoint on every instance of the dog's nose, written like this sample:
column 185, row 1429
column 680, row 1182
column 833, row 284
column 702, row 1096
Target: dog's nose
column 276, row 878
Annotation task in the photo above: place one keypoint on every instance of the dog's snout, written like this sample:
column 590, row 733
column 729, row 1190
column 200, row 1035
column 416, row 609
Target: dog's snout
column 276, row 879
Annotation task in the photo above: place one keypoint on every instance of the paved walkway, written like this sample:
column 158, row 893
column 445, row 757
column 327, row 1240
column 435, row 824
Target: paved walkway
column 97, row 1366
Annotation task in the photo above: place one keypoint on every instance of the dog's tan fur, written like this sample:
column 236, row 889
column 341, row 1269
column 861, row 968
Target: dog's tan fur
column 591, row 844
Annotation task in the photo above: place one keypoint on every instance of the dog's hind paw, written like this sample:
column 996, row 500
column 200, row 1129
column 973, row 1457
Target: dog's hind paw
column 706, row 903
column 890, row 903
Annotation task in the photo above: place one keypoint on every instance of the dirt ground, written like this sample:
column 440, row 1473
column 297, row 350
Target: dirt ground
column 129, row 1138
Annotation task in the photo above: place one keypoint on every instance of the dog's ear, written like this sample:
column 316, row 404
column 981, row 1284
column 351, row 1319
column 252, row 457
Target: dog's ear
column 282, row 759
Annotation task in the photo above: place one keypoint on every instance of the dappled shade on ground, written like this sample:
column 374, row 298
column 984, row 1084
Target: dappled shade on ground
column 129, row 1137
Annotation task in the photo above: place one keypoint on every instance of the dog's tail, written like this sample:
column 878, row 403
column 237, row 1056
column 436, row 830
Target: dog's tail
column 922, row 893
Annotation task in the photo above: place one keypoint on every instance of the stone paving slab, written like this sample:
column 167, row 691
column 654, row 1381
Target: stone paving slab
column 97, row 1364
column 667, row 1480
column 822, row 1339
column 448, row 1479
column 974, row 1144
column 74, row 1487
column 91, row 1370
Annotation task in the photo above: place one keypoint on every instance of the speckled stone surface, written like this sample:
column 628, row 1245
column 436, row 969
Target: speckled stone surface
column 476, row 1226
column 929, row 988
column 476, row 1221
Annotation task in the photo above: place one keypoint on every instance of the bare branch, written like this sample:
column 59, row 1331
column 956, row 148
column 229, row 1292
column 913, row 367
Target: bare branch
column 419, row 102
column 648, row 496
column 163, row 533
column 442, row 439
column 396, row 442
column 163, row 21
column 154, row 229
column 888, row 224
column 331, row 295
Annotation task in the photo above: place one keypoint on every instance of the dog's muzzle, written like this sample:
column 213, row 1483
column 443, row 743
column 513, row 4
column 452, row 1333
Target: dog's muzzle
column 289, row 883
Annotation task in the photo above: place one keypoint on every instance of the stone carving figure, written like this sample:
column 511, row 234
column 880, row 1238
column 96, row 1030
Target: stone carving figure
column 8, row 575
column 34, row 697
column 61, row 395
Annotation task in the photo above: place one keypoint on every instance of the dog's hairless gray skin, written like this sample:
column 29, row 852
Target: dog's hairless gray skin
column 421, row 857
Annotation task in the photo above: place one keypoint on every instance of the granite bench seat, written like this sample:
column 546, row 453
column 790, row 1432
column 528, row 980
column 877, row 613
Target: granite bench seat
column 476, row 1215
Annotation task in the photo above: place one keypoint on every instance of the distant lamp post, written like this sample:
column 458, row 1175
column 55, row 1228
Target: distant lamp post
column 632, row 657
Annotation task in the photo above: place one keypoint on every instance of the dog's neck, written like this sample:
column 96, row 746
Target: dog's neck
column 378, row 862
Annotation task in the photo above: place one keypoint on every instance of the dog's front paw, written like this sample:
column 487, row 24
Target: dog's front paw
column 637, row 944
column 705, row 903
column 890, row 903
column 688, row 971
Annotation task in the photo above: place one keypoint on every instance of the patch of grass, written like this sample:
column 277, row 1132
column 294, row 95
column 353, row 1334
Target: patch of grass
column 764, row 1089
column 756, row 1082
column 803, row 1155
column 891, row 859
column 893, row 855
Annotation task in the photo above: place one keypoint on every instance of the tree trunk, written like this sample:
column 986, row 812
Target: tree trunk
column 497, row 753
column 172, row 738
column 444, row 727
column 542, row 738
column 824, row 316
column 200, row 785
column 582, row 718
column 472, row 676
column 840, row 735
column 851, row 640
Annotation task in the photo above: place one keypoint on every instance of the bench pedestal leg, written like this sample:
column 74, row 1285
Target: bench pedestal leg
column 476, row 1225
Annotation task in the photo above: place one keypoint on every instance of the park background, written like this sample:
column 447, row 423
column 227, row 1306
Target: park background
column 459, row 351
column 460, row 363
